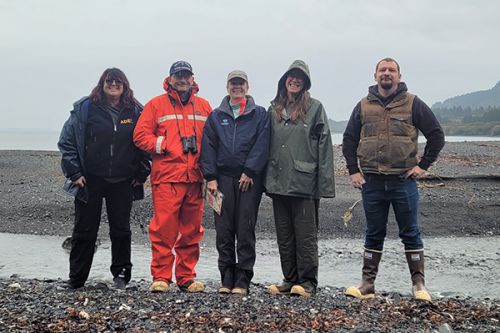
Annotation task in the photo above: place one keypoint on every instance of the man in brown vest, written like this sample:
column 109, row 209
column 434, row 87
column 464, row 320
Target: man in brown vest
column 382, row 136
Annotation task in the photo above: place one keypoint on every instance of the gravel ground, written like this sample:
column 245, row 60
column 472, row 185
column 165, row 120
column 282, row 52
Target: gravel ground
column 463, row 202
column 460, row 198
column 43, row 306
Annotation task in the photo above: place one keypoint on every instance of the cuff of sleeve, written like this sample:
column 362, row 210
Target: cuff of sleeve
column 75, row 176
column 353, row 170
column 210, row 178
column 161, row 145
column 424, row 164
column 141, row 178
column 249, row 172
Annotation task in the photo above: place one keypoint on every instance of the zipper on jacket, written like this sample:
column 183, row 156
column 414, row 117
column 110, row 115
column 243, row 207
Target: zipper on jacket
column 234, row 133
column 184, row 118
column 111, row 149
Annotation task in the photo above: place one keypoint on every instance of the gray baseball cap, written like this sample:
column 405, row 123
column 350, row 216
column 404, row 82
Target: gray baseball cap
column 237, row 74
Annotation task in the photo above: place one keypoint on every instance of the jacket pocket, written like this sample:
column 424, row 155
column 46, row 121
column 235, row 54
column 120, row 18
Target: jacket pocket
column 401, row 125
column 304, row 178
column 403, row 153
column 306, row 167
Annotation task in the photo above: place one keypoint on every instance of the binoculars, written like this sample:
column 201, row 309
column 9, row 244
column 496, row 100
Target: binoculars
column 189, row 144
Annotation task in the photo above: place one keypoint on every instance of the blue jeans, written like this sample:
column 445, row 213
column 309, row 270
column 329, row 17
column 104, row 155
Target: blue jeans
column 378, row 193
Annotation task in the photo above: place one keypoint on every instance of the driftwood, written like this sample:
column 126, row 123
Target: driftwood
column 465, row 177
column 348, row 214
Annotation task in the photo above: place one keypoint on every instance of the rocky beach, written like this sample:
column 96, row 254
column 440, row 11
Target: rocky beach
column 460, row 197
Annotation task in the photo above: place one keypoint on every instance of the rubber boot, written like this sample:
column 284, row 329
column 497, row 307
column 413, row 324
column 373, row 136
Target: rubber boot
column 366, row 289
column 415, row 260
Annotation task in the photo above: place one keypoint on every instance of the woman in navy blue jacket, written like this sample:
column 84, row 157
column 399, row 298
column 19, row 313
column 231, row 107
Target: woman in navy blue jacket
column 100, row 161
column 234, row 152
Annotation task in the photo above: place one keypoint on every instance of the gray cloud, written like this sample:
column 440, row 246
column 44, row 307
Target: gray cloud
column 53, row 52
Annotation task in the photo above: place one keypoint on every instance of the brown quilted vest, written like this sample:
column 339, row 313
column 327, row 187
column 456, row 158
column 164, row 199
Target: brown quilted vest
column 388, row 142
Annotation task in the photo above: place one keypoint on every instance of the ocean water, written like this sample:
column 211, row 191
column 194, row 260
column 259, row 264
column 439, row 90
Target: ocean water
column 28, row 140
column 47, row 140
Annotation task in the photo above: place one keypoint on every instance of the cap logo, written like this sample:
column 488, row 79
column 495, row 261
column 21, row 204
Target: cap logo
column 180, row 66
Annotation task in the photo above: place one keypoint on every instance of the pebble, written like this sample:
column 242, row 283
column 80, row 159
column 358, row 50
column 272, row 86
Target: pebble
column 15, row 285
column 83, row 315
column 124, row 307
column 445, row 328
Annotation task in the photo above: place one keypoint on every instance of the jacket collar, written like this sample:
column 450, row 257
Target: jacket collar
column 173, row 94
column 399, row 95
column 226, row 107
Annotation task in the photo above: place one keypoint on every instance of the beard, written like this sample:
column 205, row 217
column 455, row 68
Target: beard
column 386, row 85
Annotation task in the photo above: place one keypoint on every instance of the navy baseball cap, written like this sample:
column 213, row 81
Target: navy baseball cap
column 180, row 66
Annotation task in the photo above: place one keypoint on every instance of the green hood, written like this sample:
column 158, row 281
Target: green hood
column 299, row 64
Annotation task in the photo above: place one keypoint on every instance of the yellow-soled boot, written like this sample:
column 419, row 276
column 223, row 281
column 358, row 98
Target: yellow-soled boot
column 192, row 286
column 159, row 286
column 224, row 290
column 415, row 259
column 239, row 291
column 299, row 290
column 283, row 288
column 366, row 288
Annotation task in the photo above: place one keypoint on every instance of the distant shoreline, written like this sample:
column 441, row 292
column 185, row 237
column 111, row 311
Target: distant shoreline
column 26, row 140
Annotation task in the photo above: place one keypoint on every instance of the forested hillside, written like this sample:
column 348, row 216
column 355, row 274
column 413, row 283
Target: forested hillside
column 476, row 113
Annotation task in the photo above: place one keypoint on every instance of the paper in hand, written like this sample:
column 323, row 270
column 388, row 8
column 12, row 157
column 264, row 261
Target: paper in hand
column 214, row 200
column 70, row 188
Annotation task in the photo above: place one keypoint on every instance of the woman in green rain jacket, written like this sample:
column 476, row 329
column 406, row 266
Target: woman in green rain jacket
column 299, row 173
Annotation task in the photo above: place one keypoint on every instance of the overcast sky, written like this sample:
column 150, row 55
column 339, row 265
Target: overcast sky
column 53, row 52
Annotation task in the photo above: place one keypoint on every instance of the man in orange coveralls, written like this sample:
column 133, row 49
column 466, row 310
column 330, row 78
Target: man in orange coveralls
column 171, row 128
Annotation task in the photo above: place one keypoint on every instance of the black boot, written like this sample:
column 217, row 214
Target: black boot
column 120, row 281
column 366, row 289
column 415, row 260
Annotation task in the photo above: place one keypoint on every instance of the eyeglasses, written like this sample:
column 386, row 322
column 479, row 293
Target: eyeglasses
column 110, row 82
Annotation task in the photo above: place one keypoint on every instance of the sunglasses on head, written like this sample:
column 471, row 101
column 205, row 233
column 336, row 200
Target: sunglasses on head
column 116, row 82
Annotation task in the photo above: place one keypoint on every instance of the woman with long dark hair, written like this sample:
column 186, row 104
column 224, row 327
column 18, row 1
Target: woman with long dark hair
column 100, row 161
column 299, row 173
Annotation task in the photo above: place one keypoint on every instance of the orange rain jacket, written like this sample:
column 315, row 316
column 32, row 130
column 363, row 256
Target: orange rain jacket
column 159, row 129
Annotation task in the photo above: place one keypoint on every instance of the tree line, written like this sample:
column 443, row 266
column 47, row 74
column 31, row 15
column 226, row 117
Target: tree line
column 458, row 120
